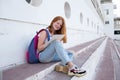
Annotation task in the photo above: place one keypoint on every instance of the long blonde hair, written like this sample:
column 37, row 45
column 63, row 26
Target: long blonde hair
column 62, row 29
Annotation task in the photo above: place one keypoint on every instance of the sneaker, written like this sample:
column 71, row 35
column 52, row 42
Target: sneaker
column 61, row 68
column 76, row 72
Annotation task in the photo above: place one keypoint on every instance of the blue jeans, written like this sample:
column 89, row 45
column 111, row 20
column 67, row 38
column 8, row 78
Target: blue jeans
column 55, row 52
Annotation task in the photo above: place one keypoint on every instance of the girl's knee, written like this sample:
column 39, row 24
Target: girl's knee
column 56, row 42
column 70, row 55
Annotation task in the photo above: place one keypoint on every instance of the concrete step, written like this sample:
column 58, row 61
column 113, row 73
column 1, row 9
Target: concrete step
column 115, row 52
column 79, row 60
column 105, row 69
column 117, row 46
column 92, row 62
column 38, row 71
column 106, row 65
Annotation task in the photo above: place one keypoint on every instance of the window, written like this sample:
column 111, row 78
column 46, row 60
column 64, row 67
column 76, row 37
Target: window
column 28, row 1
column 106, row 22
column 107, row 11
column 81, row 18
column 97, row 29
column 67, row 10
column 34, row 3
column 117, row 32
column 92, row 24
column 87, row 21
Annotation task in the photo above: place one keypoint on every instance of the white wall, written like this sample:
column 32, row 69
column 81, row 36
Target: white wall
column 15, row 36
column 109, row 28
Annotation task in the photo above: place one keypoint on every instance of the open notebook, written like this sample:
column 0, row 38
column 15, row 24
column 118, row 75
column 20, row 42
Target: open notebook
column 54, row 37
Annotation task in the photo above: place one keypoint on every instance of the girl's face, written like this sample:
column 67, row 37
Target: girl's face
column 57, row 25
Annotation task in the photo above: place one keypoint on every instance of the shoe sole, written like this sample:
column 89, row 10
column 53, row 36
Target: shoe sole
column 77, row 75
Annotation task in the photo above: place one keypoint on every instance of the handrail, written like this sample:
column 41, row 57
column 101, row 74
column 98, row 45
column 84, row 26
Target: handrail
column 28, row 22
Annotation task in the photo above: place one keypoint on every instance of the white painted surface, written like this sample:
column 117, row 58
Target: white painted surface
column 91, row 63
column 109, row 28
column 15, row 36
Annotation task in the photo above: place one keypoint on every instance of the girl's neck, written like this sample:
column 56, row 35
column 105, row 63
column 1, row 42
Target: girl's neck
column 52, row 32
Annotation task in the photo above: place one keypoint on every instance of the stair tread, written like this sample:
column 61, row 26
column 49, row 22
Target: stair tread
column 23, row 71
column 79, row 60
column 105, row 69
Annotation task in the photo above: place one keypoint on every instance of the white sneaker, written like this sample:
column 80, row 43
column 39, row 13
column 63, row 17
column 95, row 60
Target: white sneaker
column 76, row 72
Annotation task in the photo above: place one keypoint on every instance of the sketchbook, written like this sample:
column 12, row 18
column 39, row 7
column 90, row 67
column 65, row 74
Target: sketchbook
column 54, row 37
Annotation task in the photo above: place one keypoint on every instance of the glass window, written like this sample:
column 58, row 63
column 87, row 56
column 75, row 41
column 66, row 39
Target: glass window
column 97, row 29
column 81, row 18
column 92, row 24
column 88, row 21
column 67, row 10
column 107, row 11
column 106, row 22
column 35, row 3
column 28, row 1
column 117, row 32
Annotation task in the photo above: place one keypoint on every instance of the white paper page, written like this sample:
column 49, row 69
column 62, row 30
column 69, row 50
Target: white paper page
column 54, row 37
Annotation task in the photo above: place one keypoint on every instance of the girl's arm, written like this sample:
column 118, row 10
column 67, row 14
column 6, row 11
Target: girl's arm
column 41, row 40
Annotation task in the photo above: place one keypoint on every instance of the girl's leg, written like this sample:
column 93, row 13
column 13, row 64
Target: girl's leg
column 56, row 57
column 55, row 52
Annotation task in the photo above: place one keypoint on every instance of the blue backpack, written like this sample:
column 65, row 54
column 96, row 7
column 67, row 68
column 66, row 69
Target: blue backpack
column 31, row 55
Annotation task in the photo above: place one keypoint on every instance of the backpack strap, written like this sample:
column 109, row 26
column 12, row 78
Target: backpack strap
column 48, row 34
